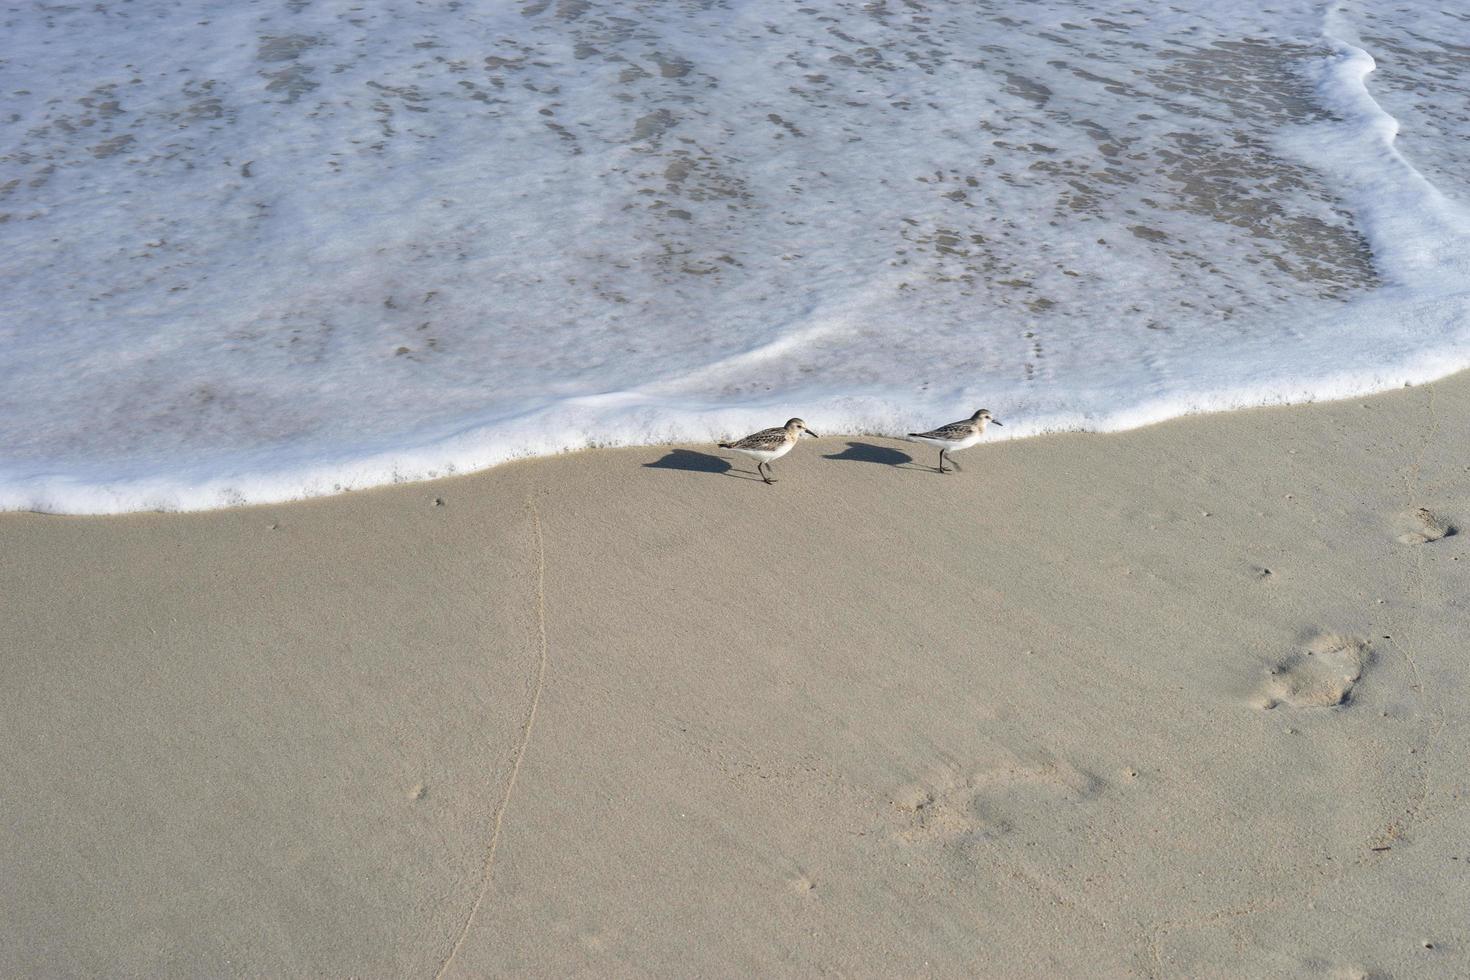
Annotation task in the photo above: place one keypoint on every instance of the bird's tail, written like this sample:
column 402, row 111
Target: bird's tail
column 725, row 445
column 916, row 433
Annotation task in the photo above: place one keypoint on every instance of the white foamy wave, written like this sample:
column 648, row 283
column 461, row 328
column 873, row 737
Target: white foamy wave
column 277, row 250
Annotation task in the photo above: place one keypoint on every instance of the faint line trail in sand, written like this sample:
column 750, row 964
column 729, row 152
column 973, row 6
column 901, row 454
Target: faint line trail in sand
column 1414, row 806
column 522, row 743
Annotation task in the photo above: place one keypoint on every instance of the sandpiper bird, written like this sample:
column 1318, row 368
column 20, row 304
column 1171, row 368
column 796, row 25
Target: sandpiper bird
column 769, row 444
column 956, row 435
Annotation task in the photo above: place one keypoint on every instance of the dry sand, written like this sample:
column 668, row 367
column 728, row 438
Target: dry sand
column 1190, row 700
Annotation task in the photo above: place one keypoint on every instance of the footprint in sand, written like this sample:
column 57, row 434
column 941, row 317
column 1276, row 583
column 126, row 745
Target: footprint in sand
column 1422, row 526
column 1350, row 973
column 1322, row 675
column 989, row 802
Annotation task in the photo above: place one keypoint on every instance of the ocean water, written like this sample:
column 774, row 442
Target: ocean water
column 256, row 251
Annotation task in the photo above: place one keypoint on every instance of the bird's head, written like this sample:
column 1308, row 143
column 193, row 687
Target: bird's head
column 798, row 426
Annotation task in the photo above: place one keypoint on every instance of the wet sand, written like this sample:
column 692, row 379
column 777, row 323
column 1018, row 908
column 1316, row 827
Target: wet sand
column 1188, row 700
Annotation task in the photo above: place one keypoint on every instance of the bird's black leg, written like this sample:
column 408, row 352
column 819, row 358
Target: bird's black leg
column 941, row 462
column 761, row 468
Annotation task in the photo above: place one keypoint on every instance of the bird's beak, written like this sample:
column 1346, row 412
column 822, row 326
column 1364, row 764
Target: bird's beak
column 811, row 433
column 996, row 422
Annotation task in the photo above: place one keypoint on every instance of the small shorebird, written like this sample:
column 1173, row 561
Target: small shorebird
column 769, row 444
column 956, row 435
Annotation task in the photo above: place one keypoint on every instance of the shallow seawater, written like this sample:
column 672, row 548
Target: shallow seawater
column 255, row 251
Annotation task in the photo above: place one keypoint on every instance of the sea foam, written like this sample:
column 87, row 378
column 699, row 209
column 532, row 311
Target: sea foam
column 263, row 251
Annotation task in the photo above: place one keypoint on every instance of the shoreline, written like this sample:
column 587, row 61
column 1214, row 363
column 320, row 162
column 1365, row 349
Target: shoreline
column 1184, row 699
column 427, row 464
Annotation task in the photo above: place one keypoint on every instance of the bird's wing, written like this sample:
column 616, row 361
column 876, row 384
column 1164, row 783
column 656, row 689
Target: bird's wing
column 765, row 439
column 954, row 432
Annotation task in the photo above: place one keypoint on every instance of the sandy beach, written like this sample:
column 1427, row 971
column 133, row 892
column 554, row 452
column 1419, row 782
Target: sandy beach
column 1183, row 701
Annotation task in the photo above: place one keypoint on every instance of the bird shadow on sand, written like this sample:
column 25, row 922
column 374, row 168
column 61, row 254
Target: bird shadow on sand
column 692, row 462
column 864, row 452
